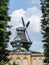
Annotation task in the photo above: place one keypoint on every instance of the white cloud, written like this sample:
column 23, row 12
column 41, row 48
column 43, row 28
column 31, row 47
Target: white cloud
column 33, row 11
column 35, row 23
column 18, row 13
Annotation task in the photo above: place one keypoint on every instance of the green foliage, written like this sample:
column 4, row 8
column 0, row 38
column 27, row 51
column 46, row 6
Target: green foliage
column 45, row 26
column 4, row 34
column 1, row 63
column 14, row 63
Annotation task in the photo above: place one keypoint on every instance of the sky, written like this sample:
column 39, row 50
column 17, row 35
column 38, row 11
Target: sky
column 30, row 11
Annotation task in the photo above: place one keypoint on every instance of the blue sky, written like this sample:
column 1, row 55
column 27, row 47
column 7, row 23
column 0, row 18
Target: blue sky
column 30, row 10
column 17, row 4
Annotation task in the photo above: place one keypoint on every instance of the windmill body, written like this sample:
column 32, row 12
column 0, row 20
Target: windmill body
column 21, row 33
column 21, row 40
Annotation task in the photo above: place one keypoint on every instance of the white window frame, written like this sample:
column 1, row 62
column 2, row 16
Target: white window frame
column 34, row 61
column 40, row 61
column 18, row 61
column 25, row 61
column 11, row 61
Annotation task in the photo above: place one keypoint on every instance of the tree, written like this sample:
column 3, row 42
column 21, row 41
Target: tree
column 4, row 34
column 1, row 63
column 14, row 63
column 45, row 26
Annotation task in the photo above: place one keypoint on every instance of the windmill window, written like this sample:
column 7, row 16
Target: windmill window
column 18, row 43
column 21, row 44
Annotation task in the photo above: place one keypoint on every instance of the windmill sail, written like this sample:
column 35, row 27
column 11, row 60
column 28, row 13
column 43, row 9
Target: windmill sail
column 23, row 22
column 28, row 24
column 28, row 36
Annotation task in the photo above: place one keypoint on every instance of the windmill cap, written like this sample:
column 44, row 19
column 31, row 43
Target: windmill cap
column 20, row 29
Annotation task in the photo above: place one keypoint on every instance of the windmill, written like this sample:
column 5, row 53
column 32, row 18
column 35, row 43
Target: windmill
column 22, row 31
column 21, row 36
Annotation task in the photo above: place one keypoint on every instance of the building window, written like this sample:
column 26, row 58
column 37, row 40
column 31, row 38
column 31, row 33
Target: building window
column 45, row 63
column 34, row 61
column 40, row 61
column 11, row 61
column 18, row 61
column 25, row 61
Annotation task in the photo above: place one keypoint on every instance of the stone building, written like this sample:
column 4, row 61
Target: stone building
column 27, row 58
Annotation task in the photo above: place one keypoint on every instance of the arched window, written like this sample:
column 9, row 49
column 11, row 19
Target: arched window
column 34, row 61
column 18, row 61
column 40, row 61
column 25, row 61
column 11, row 61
